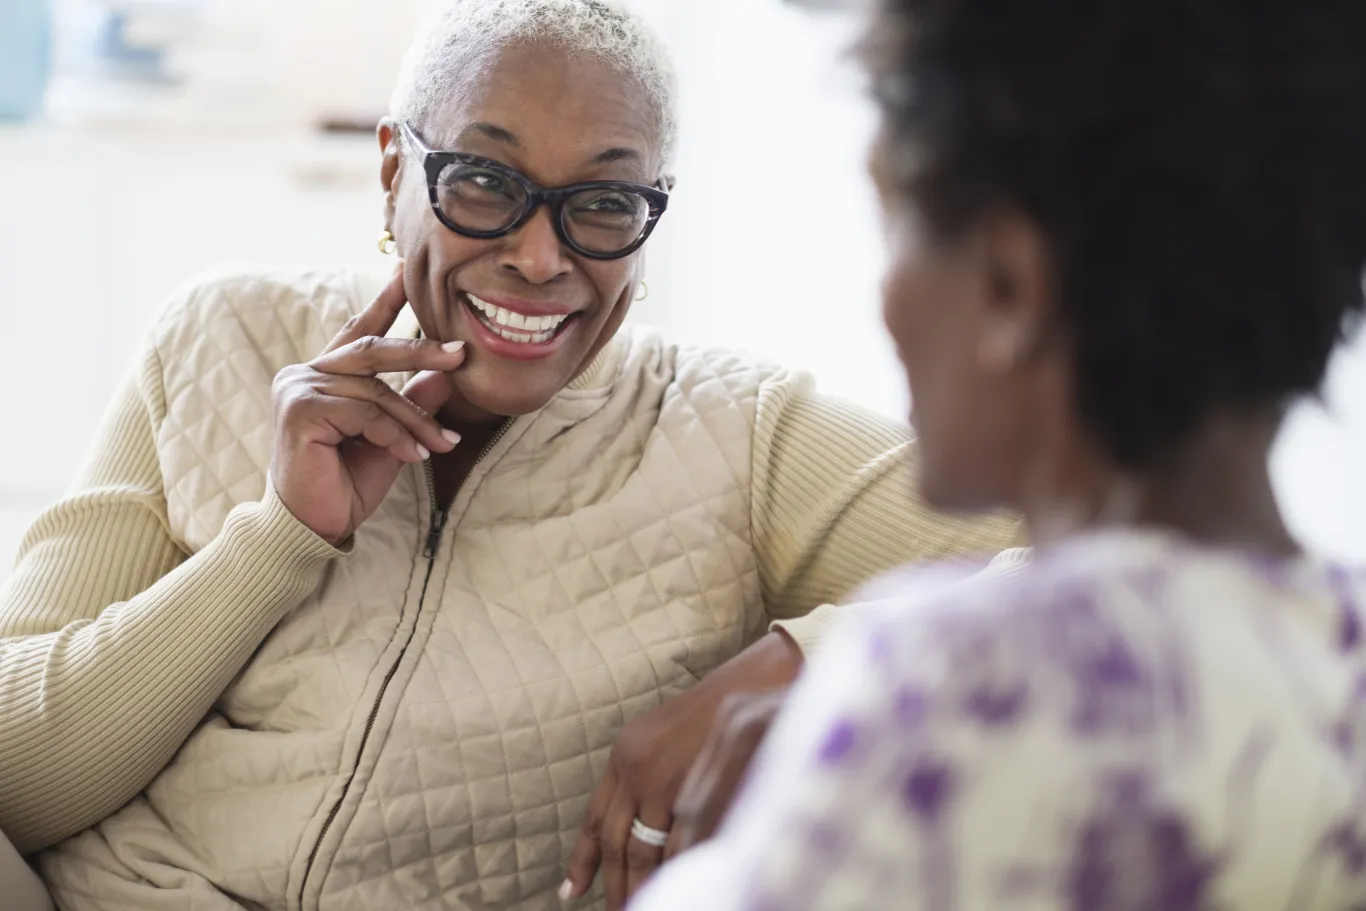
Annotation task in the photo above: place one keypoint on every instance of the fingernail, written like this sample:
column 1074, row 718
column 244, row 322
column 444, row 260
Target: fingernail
column 424, row 452
column 450, row 436
column 566, row 890
column 452, row 347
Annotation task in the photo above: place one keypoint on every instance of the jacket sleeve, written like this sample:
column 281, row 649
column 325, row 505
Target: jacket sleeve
column 835, row 504
column 113, row 643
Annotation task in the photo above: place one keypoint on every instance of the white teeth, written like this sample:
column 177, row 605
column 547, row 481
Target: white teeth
column 506, row 323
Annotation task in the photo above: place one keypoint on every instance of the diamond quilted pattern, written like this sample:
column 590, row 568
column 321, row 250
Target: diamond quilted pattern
column 222, row 348
column 392, row 751
column 578, row 596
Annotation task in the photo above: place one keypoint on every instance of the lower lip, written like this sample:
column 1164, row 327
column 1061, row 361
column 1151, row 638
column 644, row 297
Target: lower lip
column 498, row 346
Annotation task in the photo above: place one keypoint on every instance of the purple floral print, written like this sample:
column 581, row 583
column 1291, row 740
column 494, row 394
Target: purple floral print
column 1131, row 724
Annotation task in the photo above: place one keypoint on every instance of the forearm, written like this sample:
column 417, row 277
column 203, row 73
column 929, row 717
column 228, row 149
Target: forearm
column 90, row 712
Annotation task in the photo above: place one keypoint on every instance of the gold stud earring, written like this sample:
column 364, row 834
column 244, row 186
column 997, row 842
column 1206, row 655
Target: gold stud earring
column 386, row 243
column 643, row 291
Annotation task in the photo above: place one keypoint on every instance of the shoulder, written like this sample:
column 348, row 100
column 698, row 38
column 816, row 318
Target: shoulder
column 785, row 404
column 698, row 366
column 1115, row 635
column 731, row 383
column 798, row 418
column 790, row 418
column 1085, row 625
column 210, row 357
column 279, row 314
column 1023, row 606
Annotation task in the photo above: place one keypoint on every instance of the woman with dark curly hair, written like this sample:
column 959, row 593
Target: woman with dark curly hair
column 1125, row 236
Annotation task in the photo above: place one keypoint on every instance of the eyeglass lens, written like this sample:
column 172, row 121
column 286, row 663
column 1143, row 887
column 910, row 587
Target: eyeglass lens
column 483, row 200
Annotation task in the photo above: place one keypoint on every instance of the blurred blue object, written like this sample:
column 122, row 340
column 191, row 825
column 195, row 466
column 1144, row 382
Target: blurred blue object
column 120, row 59
column 25, row 57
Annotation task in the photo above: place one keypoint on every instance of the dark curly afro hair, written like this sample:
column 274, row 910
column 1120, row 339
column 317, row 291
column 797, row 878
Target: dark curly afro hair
column 1198, row 168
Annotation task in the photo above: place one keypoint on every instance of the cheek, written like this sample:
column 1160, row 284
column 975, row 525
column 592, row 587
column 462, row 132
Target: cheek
column 612, row 282
column 423, row 239
column 413, row 219
column 610, row 277
column 908, row 294
column 433, row 257
column 925, row 309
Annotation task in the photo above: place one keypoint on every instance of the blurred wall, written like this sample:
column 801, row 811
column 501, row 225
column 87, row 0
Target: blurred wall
column 771, row 242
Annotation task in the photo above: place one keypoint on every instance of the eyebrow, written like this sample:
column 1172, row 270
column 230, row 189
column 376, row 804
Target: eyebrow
column 497, row 134
column 618, row 154
column 508, row 138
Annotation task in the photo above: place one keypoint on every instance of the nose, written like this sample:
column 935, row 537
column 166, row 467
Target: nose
column 534, row 250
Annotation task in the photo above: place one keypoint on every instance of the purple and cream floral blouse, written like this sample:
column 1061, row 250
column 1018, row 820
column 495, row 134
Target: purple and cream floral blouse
column 1132, row 723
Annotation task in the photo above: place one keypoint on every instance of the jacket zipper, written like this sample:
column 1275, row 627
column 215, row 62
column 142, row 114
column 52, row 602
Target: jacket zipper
column 439, row 517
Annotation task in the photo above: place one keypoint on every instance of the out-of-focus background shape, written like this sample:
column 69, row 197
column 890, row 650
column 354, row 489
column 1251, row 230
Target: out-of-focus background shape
column 144, row 141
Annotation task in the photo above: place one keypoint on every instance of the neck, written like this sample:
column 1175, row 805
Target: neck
column 1217, row 490
column 468, row 421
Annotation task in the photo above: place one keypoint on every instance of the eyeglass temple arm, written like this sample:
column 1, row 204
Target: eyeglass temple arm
column 411, row 135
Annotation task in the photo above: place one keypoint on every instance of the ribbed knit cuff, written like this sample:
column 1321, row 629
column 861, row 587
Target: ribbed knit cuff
column 291, row 534
column 815, row 629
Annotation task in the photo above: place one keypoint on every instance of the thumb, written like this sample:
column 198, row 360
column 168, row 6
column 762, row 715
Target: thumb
column 429, row 390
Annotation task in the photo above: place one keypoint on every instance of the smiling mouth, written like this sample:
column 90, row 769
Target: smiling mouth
column 516, row 327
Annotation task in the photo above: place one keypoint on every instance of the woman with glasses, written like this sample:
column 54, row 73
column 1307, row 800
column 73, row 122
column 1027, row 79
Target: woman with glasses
column 1125, row 236
column 398, row 595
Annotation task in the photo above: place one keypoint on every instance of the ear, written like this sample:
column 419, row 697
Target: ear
column 391, row 167
column 668, row 180
column 1019, row 290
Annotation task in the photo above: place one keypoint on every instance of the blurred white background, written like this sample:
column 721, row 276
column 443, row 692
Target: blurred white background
column 126, row 188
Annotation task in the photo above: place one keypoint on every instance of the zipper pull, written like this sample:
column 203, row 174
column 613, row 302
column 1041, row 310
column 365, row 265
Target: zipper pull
column 434, row 536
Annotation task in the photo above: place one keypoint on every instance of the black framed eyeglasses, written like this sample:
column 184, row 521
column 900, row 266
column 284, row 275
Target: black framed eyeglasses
column 480, row 198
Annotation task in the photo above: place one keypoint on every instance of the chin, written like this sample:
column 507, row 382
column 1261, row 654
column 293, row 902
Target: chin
column 941, row 485
column 952, row 493
column 935, row 495
column 510, row 398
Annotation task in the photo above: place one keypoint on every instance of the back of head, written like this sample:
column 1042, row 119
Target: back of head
column 462, row 34
column 1197, row 167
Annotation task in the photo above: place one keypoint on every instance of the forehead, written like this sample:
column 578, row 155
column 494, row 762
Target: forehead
column 563, row 110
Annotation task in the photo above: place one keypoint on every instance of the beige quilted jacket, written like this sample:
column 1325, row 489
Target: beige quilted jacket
column 203, row 706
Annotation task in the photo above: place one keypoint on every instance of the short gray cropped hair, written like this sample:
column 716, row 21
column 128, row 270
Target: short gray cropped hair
column 462, row 32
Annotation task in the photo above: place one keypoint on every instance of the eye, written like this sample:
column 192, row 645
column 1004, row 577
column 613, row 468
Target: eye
column 609, row 209
column 480, row 186
column 490, row 182
column 611, row 203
